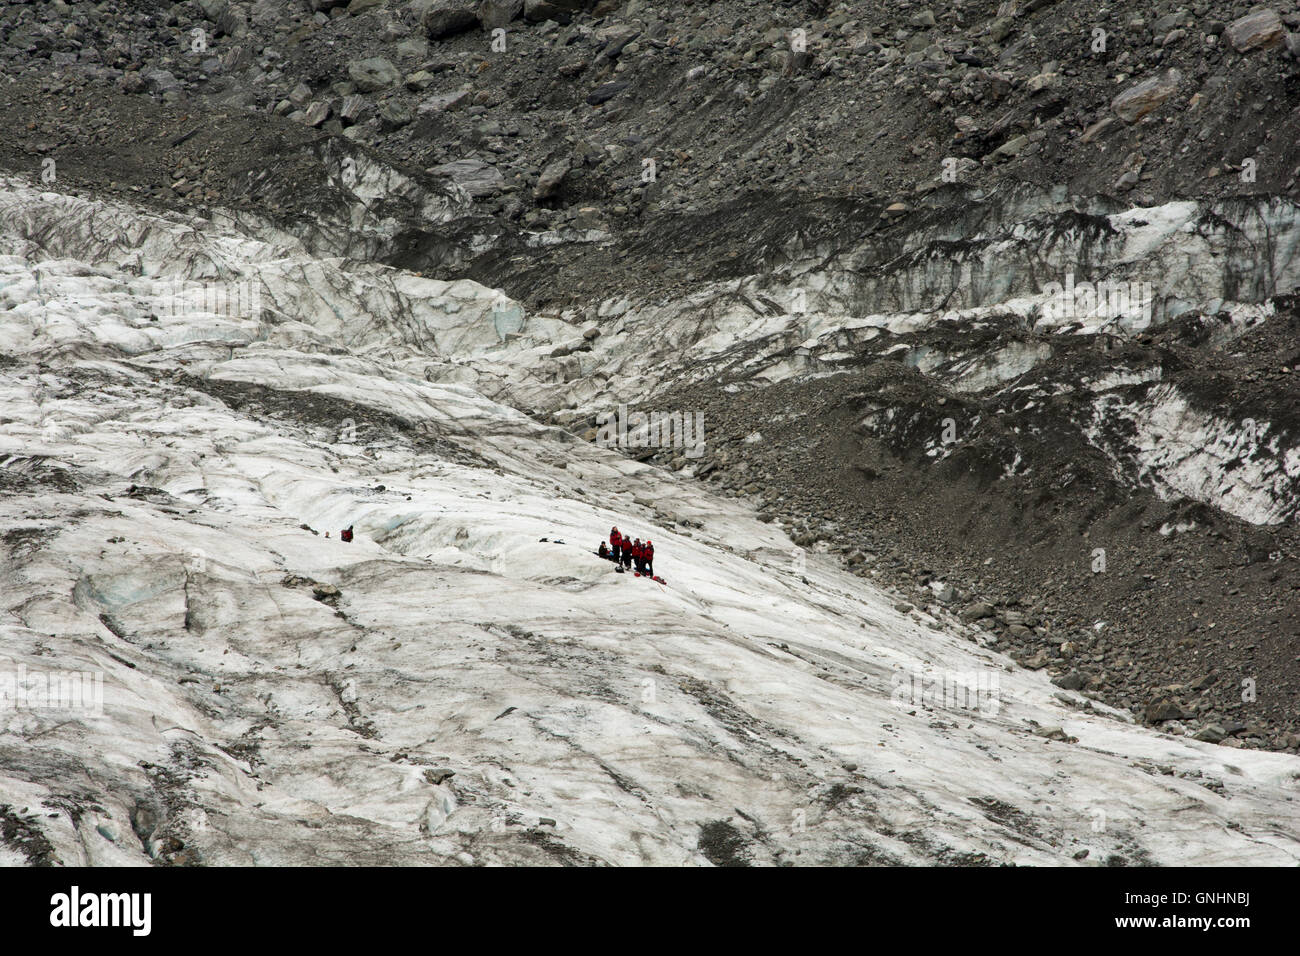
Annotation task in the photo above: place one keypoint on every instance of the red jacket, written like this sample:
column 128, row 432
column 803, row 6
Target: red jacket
column 615, row 539
column 648, row 552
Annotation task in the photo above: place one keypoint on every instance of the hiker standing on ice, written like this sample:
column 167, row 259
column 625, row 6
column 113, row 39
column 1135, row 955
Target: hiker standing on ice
column 346, row 533
column 627, row 552
column 637, row 556
column 616, row 543
column 648, row 557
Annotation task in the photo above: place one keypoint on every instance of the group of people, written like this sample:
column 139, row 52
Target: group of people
column 628, row 552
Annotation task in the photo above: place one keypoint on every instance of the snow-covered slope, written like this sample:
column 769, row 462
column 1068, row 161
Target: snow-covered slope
column 467, row 682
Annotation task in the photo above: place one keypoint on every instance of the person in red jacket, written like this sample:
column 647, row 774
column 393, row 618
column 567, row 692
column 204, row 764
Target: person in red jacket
column 346, row 533
column 616, row 544
column 639, row 556
column 648, row 555
column 627, row 552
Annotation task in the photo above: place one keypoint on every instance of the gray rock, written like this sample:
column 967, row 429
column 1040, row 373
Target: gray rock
column 1074, row 680
column 561, row 11
column 1139, row 100
column 1211, row 733
column 1012, row 147
column 351, row 109
column 588, row 217
column 161, row 81
column 213, row 9
column 144, row 820
column 316, row 113
column 568, row 348
column 444, row 20
column 1037, row 662
column 108, row 830
column 548, row 183
column 1169, row 21
column 976, row 612
column 1164, row 709
column 1000, row 29
column 1261, row 30
column 413, row 46
column 373, row 74
column 1098, row 129
column 606, row 92
column 418, row 81
column 444, row 102
column 1043, row 81
column 475, row 177
column 394, row 115
column 615, row 39
column 495, row 14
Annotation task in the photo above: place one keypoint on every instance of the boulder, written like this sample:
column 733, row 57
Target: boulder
column 474, row 176
column 1164, row 709
column 548, row 183
column 352, row 108
column 418, row 81
column 495, row 14
column 394, row 115
column 1037, row 661
column 1211, row 733
column 373, row 74
column 1043, row 81
column 1074, row 680
column 444, row 20
column 1139, row 100
column 1261, row 30
column 316, row 113
column 561, row 11
column 444, row 102
column 161, row 81
column 213, row 9
column 606, row 92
